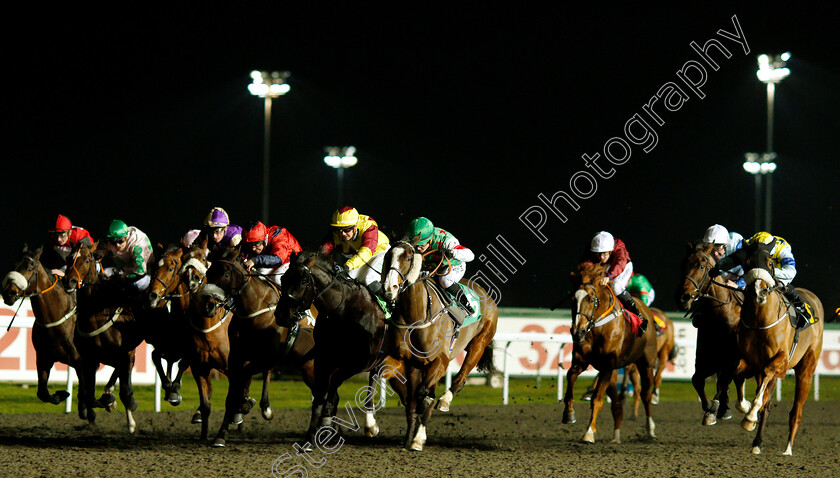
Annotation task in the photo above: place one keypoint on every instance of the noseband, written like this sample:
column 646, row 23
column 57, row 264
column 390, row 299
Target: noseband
column 405, row 284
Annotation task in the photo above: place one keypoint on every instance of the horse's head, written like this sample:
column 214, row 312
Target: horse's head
column 759, row 272
column 228, row 272
column 167, row 276
column 588, row 298
column 23, row 278
column 297, row 289
column 81, row 267
column 402, row 265
column 194, row 269
column 696, row 266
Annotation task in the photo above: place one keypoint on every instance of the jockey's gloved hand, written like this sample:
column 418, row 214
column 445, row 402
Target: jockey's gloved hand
column 449, row 253
column 98, row 255
column 339, row 269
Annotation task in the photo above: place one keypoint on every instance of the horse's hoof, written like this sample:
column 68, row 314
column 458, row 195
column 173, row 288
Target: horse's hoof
column 756, row 450
column 219, row 443
column 788, row 450
column 725, row 414
column 569, row 417
column 748, row 425
column 415, row 447
column 111, row 407
column 617, row 438
column 709, row 419
column 743, row 406
column 174, row 398
column 237, row 419
column 444, row 402
column 588, row 437
column 654, row 399
column 371, row 432
column 60, row 396
column 106, row 400
column 267, row 413
column 196, row 418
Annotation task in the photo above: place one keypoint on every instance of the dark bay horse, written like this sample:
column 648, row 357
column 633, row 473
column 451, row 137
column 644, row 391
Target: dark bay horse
column 349, row 332
column 257, row 342
column 55, row 322
column 604, row 339
column 716, row 308
column 107, row 330
column 770, row 345
column 422, row 344
column 666, row 351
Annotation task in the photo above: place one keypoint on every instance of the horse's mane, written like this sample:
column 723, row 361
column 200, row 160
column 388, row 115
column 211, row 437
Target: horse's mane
column 314, row 257
column 589, row 271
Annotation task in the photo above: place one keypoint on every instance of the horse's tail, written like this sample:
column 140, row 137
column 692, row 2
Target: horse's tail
column 675, row 350
column 485, row 363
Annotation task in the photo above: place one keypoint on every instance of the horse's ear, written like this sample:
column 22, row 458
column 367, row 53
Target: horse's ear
column 414, row 240
column 94, row 246
column 158, row 250
column 25, row 248
column 36, row 254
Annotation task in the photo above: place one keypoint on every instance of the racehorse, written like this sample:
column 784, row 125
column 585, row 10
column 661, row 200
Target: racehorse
column 601, row 337
column 107, row 330
column 255, row 337
column 716, row 308
column 770, row 344
column 55, row 322
column 666, row 351
column 349, row 333
column 423, row 344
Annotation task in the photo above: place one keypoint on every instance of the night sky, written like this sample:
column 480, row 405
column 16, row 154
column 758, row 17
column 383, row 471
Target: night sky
column 462, row 115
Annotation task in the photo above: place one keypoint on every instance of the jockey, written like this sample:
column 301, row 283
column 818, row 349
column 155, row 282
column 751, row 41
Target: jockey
column 220, row 233
column 605, row 249
column 359, row 245
column 268, row 249
column 440, row 247
column 726, row 243
column 62, row 239
column 131, row 251
column 784, row 266
column 639, row 286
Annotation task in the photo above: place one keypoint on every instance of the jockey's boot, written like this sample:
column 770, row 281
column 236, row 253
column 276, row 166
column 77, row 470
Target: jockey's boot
column 375, row 288
column 630, row 304
column 803, row 309
column 461, row 298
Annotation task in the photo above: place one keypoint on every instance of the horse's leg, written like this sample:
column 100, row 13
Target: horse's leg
column 762, row 419
column 475, row 349
column 126, row 392
column 108, row 400
column 411, row 417
column 237, row 391
column 265, row 405
column 804, row 374
column 87, row 388
column 157, row 359
column 775, row 368
column 698, row 380
column 601, row 385
column 568, row 398
column 660, row 368
column 646, row 377
column 617, row 407
column 174, row 395
column 205, row 393
column 740, row 379
column 426, row 398
column 636, row 379
column 44, row 365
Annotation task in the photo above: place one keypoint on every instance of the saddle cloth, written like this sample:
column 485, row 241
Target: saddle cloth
column 634, row 320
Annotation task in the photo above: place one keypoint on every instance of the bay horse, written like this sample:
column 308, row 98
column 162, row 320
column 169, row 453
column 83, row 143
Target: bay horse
column 422, row 344
column 107, row 330
column 55, row 322
column 604, row 339
column 716, row 308
column 666, row 351
column 349, row 333
column 770, row 344
column 256, row 341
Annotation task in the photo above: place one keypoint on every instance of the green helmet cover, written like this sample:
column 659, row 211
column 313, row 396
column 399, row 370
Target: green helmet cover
column 421, row 227
column 117, row 229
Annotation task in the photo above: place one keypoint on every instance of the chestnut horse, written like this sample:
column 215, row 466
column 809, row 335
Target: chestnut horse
column 349, row 332
column 604, row 339
column 257, row 343
column 422, row 345
column 666, row 351
column 770, row 345
column 716, row 308
column 55, row 322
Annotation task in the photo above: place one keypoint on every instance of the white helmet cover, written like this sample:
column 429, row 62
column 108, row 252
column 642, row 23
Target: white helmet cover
column 602, row 242
column 716, row 234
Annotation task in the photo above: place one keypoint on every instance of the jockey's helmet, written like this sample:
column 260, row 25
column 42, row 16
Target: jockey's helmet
column 117, row 229
column 716, row 234
column 62, row 224
column 421, row 227
column 256, row 233
column 345, row 217
column 761, row 238
column 217, row 218
column 602, row 242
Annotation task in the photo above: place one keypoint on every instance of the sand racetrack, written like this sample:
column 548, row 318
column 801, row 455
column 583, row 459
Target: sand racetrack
column 476, row 441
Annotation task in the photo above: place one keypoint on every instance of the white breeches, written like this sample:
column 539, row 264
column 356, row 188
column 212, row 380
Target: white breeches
column 274, row 274
column 371, row 271
column 620, row 282
column 455, row 275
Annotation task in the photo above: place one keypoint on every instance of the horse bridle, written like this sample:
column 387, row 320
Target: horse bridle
column 176, row 279
column 32, row 279
column 596, row 302
column 76, row 269
column 405, row 284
